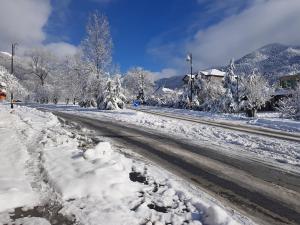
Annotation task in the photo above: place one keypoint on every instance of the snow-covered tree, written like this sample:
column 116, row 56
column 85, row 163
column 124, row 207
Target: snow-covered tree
column 97, row 52
column 290, row 106
column 184, row 100
column 210, row 94
column 41, row 63
column 77, row 82
column 229, row 100
column 135, row 80
column 256, row 91
column 97, row 46
column 113, row 97
column 12, row 84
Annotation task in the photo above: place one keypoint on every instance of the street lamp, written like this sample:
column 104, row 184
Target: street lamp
column 189, row 59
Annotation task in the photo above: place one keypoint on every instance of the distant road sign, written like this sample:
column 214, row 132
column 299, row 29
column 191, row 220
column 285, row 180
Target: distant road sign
column 136, row 103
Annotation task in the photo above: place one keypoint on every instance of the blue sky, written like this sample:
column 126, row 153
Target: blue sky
column 137, row 26
column 134, row 25
column 155, row 34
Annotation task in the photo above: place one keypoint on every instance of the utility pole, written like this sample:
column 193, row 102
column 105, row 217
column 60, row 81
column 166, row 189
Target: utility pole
column 13, row 47
column 141, row 92
column 190, row 59
column 237, row 90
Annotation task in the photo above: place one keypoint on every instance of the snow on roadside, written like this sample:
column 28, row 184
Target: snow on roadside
column 264, row 119
column 95, row 185
column 284, row 154
column 15, row 188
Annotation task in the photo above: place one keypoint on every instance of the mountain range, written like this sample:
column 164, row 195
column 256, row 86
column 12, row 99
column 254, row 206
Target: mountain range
column 273, row 61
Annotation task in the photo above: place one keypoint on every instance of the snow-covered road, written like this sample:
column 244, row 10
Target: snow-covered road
column 52, row 174
column 268, row 194
column 278, row 152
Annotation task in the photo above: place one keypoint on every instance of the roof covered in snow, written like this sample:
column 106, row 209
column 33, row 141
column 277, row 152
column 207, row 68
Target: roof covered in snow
column 163, row 90
column 213, row 72
column 6, row 53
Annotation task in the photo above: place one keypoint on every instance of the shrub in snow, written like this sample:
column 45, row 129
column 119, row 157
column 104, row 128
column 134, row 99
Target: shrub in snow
column 112, row 98
column 86, row 103
column 12, row 84
column 90, row 89
column 256, row 91
column 290, row 106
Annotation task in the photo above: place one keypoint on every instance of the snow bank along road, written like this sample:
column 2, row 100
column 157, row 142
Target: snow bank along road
column 59, row 173
column 267, row 194
column 237, row 127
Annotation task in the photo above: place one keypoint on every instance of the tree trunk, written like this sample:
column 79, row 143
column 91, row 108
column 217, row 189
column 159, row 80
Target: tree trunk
column 42, row 81
column 251, row 112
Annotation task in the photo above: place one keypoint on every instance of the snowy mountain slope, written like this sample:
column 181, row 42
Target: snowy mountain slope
column 20, row 65
column 272, row 60
column 170, row 82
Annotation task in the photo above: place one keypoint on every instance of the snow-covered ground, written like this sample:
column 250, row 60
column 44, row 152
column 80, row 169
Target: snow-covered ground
column 45, row 164
column 263, row 119
column 285, row 154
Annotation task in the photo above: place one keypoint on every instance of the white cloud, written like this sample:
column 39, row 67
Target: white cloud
column 165, row 73
column 264, row 22
column 245, row 27
column 62, row 49
column 23, row 21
